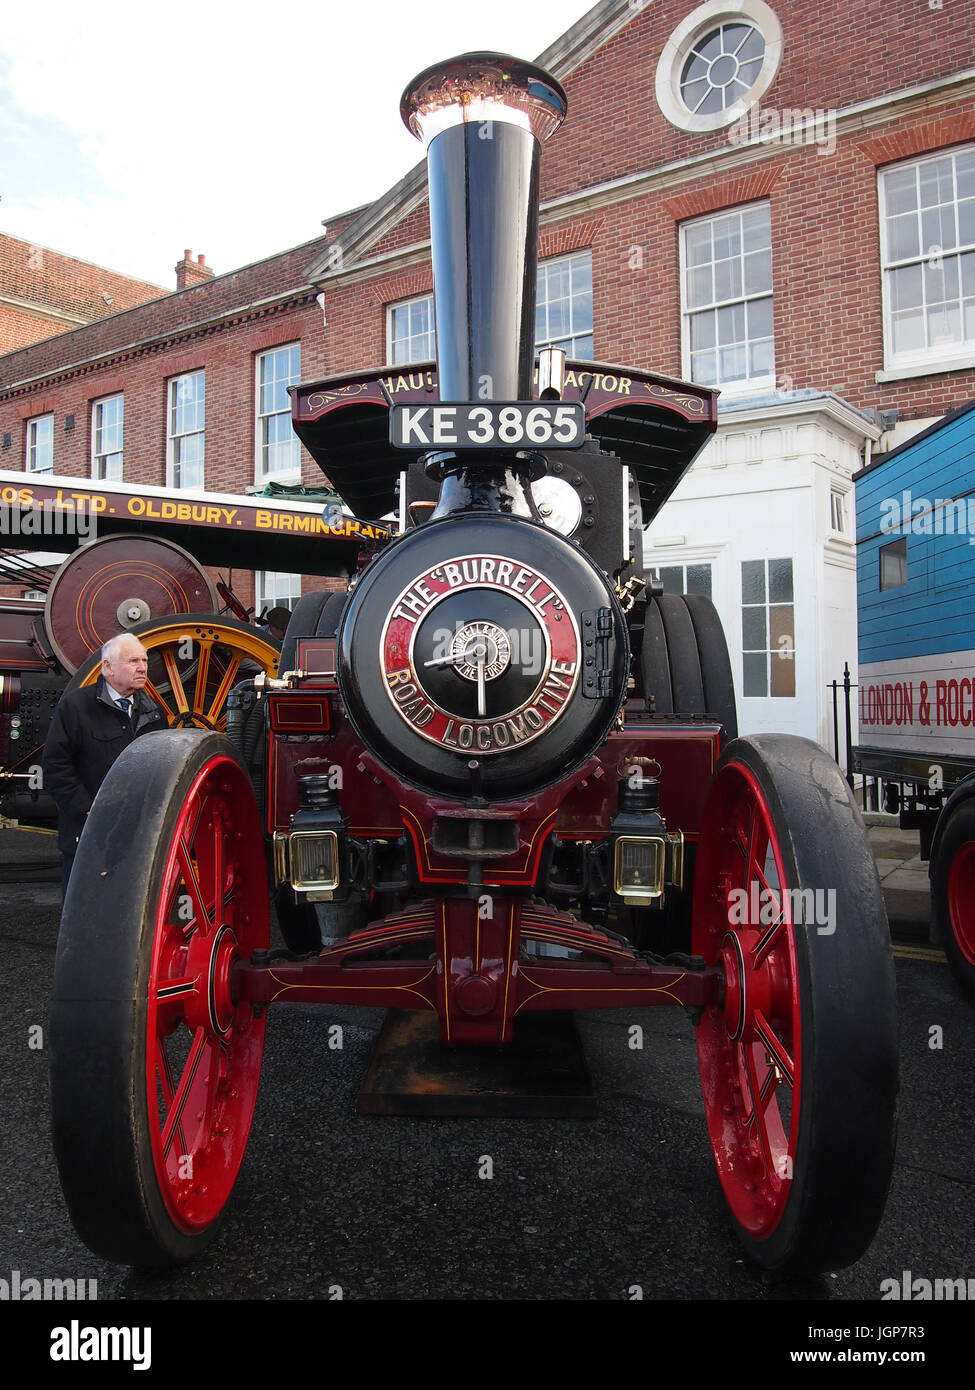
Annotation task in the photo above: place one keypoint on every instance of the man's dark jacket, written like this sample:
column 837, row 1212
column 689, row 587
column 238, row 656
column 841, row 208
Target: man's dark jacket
column 87, row 734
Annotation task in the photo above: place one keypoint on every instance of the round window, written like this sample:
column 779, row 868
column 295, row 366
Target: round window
column 718, row 62
column 721, row 68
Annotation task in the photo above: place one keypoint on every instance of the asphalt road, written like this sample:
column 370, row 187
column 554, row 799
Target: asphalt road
column 626, row 1205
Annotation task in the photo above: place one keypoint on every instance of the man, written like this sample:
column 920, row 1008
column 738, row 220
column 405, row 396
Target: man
column 275, row 621
column 90, row 728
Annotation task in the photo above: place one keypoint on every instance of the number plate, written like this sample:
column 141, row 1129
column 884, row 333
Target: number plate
column 491, row 425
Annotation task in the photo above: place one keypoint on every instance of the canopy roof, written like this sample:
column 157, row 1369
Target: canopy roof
column 655, row 426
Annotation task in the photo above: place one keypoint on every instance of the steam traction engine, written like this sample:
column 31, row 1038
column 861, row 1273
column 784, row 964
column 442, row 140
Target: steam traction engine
column 143, row 584
column 499, row 776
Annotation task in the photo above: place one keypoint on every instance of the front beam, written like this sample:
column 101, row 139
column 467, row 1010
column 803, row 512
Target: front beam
column 539, row 983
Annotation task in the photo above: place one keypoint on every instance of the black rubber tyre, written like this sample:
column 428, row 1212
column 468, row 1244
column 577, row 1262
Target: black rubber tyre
column 655, row 663
column 303, row 623
column 798, row 1060
column 153, row 1077
column 712, row 651
column 953, row 891
column 685, row 664
column 328, row 622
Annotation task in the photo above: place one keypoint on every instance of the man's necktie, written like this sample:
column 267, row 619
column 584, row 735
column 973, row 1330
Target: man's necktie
column 124, row 705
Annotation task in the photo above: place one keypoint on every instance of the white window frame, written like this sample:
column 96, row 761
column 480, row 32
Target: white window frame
column 262, row 474
column 99, row 458
column 838, row 510
column 390, row 347
column 575, row 331
column 173, row 437
column 32, row 445
column 895, row 570
column 660, row 563
column 932, row 358
column 274, row 588
column 748, row 385
column 770, row 653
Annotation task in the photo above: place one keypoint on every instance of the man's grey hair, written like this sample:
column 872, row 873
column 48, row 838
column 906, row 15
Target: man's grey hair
column 112, row 649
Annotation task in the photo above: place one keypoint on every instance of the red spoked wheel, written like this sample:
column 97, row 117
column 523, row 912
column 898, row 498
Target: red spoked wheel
column 798, row 1062
column 953, row 890
column 155, row 1064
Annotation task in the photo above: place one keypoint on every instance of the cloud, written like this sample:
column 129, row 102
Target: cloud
column 230, row 130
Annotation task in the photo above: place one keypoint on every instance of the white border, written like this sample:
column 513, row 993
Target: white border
column 681, row 42
column 170, row 437
column 952, row 357
column 260, row 478
column 32, row 421
column 398, row 304
column 100, row 400
column 750, row 386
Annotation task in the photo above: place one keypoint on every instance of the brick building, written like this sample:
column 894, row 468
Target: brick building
column 43, row 292
column 778, row 200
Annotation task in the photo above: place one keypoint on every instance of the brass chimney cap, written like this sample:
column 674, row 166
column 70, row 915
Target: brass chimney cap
column 483, row 87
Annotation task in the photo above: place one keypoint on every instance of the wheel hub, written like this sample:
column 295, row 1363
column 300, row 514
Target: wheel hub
column 748, row 988
column 478, row 645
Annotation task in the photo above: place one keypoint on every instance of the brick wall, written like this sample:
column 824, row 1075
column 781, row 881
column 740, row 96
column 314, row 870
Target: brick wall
column 58, row 284
column 826, row 266
column 239, row 290
column 20, row 327
column 227, row 354
column 836, row 53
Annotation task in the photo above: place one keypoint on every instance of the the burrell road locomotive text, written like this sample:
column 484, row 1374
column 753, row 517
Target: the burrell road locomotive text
column 499, row 775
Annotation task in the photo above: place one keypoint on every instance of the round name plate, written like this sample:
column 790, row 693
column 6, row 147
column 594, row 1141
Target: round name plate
column 480, row 653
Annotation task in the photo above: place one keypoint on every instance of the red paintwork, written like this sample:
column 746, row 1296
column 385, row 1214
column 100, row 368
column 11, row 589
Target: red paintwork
column 960, row 903
column 310, row 712
column 17, row 651
column 378, row 803
column 85, row 594
column 687, row 754
column 316, row 657
column 478, row 980
column 752, row 1107
column 203, row 1046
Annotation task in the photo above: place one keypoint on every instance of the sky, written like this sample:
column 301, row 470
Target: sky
column 130, row 132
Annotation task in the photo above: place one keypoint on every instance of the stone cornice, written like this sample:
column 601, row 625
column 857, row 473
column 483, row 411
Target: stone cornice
column 830, row 407
column 38, row 311
column 723, row 162
column 588, row 35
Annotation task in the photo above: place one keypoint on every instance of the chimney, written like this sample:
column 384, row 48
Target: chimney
column 190, row 272
column 482, row 118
